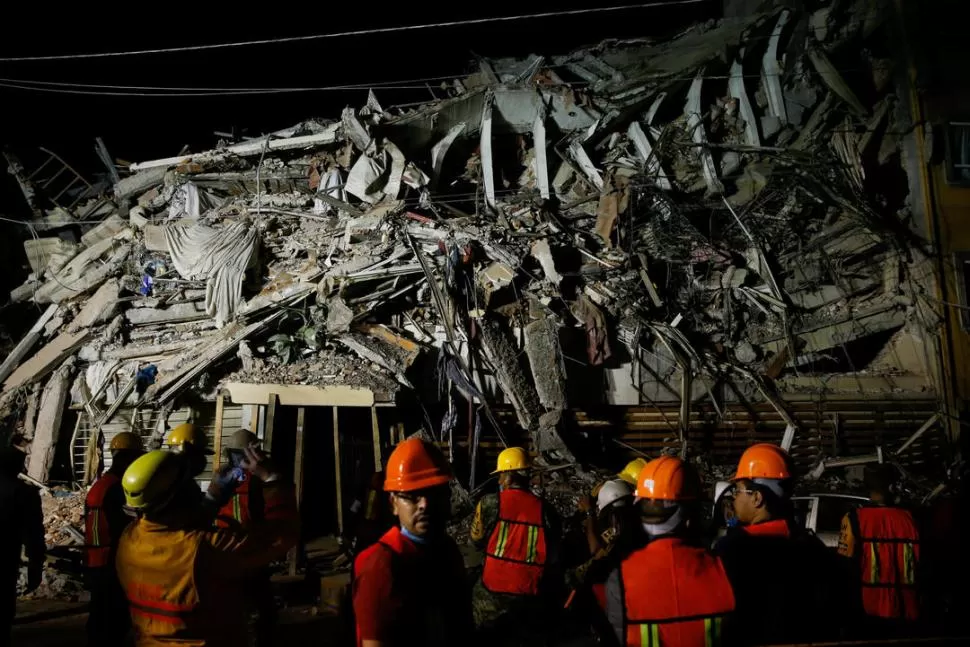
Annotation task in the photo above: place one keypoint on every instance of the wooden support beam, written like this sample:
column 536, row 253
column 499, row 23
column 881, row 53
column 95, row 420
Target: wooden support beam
column 298, row 456
column 336, row 465
column 217, row 440
column 270, row 417
column 376, row 430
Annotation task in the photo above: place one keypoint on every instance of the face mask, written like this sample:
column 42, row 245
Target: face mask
column 733, row 522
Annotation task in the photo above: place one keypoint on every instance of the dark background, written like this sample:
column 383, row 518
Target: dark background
column 138, row 128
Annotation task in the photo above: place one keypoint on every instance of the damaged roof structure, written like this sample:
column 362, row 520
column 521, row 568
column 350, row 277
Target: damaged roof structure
column 716, row 220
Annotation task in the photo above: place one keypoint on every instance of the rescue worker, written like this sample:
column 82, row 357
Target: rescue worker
column 612, row 528
column 21, row 509
column 520, row 534
column 671, row 591
column 809, row 590
column 409, row 588
column 246, row 503
column 883, row 543
column 246, row 506
column 631, row 471
column 191, row 442
column 611, row 522
column 105, row 519
column 184, row 579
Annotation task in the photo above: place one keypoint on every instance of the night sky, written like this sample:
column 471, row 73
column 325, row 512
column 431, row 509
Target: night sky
column 141, row 128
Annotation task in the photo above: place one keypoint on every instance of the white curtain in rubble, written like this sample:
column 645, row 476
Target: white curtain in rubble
column 219, row 256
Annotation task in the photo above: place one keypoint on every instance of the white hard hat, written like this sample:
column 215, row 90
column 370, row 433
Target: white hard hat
column 616, row 492
column 720, row 488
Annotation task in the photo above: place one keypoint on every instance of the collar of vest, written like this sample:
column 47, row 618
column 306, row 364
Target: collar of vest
column 773, row 528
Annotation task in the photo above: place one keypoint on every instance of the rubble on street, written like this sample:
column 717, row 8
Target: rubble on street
column 722, row 211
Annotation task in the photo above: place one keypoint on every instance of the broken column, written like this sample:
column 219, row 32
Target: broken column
column 48, row 428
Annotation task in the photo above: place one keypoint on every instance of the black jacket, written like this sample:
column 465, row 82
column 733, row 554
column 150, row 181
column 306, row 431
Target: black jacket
column 787, row 589
column 21, row 511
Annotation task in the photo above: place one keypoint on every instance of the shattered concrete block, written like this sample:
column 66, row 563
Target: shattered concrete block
column 106, row 229
column 48, row 428
column 548, row 440
column 339, row 316
column 542, row 348
column 542, row 252
column 101, row 307
column 504, row 358
column 42, row 251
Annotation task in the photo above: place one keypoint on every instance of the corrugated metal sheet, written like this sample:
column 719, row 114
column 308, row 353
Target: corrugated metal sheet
column 832, row 428
column 144, row 424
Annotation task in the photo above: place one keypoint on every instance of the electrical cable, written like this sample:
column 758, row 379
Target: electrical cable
column 357, row 32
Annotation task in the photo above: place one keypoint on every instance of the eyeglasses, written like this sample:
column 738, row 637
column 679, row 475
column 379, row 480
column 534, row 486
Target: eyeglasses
column 736, row 492
column 414, row 497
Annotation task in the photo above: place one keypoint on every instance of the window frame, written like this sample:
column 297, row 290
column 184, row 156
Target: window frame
column 961, row 260
column 948, row 133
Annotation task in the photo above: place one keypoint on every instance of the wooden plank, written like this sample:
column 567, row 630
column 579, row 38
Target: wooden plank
column 300, row 395
column 217, row 433
column 376, row 431
column 298, row 456
column 270, row 417
column 336, row 461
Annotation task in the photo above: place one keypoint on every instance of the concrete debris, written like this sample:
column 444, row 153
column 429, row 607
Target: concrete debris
column 698, row 190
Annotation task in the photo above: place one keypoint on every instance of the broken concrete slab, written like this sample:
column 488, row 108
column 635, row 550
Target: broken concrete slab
column 542, row 347
column 100, row 308
column 45, row 360
column 48, row 427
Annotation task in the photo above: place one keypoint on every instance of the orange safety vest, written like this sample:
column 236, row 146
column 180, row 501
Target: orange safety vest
column 674, row 595
column 97, row 533
column 236, row 511
column 889, row 549
column 515, row 557
column 774, row 528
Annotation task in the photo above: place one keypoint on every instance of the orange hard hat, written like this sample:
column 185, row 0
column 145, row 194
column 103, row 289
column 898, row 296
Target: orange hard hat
column 415, row 464
column 667, row 478
column 764, row 461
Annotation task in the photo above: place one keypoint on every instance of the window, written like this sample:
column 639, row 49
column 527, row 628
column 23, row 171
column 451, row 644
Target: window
column 958, row 153
column 830, row 513
column 961, row 267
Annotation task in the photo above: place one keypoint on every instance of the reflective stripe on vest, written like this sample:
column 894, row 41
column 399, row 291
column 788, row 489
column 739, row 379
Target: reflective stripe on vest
column 97, row 533
column 889, row 557
column 237, row 508
column 673, row 595
column 144, row 603
column 516, row 554
column 650, row 633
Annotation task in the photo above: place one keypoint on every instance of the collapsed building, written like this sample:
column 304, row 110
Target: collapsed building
column 689, row 246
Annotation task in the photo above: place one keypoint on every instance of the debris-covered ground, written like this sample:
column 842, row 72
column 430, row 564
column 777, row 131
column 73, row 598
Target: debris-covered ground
column 64, row 533
column 727, row 210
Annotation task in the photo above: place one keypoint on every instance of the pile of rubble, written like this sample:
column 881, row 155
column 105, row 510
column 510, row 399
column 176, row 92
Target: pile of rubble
column 62, row 508
column 715, row 206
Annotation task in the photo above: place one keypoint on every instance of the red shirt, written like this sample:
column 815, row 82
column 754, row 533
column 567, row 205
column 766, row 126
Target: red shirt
column 410, row 594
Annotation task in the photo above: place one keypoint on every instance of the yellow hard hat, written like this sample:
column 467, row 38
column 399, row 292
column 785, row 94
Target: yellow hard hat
column 632, row 471
column 126, row 440
column 188, row 434
column 151, row 480
column 512, row 459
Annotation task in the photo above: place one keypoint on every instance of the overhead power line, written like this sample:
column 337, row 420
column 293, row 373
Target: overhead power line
column 402, row 83
column 356, row 32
